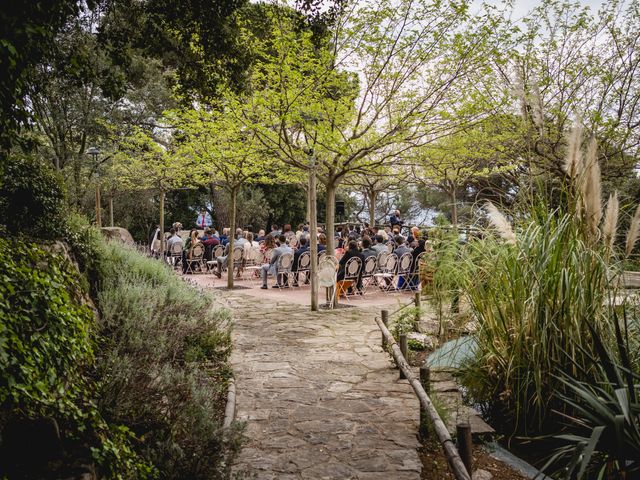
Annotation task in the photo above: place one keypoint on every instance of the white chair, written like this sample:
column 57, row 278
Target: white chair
column 404, row 269
column 252, row 263
column 195, row 258
column 175, row 254
column 304, row 266
column 368, row 270
column 387, row 272
column 283, row 270
column 351, row 273
column 327, row 275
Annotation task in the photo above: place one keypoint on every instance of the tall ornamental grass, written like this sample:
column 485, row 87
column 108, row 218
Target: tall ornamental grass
column 542, row 291
column 532, row 300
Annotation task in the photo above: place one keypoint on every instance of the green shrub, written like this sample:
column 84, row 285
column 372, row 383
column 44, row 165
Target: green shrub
column 47, row 351
column 32, row 198
column 163, row 364
column 45, row 332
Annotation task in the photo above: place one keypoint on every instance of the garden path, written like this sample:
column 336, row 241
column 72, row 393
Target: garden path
column 319, row 395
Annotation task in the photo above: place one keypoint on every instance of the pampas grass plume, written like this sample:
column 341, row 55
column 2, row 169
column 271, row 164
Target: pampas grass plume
column 592, row 190
column 573, row 163
column 499, row 221
column 610, row 224
column 632, row 234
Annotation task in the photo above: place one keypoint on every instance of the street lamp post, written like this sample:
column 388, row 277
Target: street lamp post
column 94, row 152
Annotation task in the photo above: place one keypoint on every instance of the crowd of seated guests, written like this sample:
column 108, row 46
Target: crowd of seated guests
column 351, row 241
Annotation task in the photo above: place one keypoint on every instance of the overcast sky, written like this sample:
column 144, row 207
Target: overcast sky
column 522, row 7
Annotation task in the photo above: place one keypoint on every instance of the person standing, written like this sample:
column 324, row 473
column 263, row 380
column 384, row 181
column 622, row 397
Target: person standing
column 204, row 220
column 396, row 219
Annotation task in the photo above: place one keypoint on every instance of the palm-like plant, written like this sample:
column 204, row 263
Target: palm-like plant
column 608, row 412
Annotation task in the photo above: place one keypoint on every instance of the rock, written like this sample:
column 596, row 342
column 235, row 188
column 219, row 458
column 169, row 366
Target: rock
column 481, row 475
column 425, row 340
column 118, row 233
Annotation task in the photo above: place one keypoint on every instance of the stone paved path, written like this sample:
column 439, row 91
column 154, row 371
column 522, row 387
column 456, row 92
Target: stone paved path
column 319, row 396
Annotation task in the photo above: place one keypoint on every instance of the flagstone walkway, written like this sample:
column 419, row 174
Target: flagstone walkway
column 319, row 396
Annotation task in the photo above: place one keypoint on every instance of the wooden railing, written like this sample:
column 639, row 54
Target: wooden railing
column 459, row 461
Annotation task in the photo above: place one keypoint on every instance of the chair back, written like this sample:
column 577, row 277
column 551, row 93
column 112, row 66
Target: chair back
column 218, row 251
column 392, row 263
column 285, row 262
column 304, row 262
column 251, row 256
column 370, row 264
column 404, row 264
column 197, row 252
column 382, row 260
column 176, row 250
column 419, row 259
column 238, row 255
column 327, row 271
column 352, row 268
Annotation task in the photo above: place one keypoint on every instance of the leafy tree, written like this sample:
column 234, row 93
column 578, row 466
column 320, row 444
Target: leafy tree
column 148, row 161
column 412, row 62
column 27, row 30
column 486, row 149
column 227, row 155
column 568, row 63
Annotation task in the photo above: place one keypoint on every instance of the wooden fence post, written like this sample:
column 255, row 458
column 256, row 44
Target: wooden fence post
column 416, row 321
column 404, row 349
column 385, row 320
column 465, row 445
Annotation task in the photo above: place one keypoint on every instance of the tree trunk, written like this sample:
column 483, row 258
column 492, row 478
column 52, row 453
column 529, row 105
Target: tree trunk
column 454, row 207
column 373, row 196
column 232, row 235
column 162, row 240
column 111, row 210
column 313, row 235
column 330, row 217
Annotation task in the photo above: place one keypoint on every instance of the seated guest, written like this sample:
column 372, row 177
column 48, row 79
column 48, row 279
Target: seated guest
column 322, row 242
column 286, row 231
column 221, row 261
column 302, row 248
column 240, row 241
column 209, row 241
column 352, row 251
column 275, row 231
column 260, row 236
column 174, row 238
column 250, row 241
column 367, row 251
column 187, row 251
column 224, row 237
column 379, row 245
column 413, row 280
column 400, row 248
column 271, row 268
